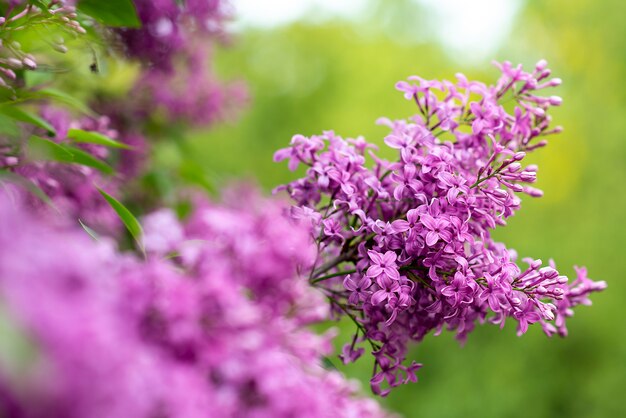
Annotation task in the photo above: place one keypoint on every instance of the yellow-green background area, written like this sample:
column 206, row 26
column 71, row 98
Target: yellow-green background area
column 306, row 78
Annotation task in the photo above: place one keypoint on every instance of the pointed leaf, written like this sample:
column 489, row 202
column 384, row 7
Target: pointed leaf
column 41, row 149
column 129, row 220
column 67, row 99
column 90, row 137
column 8, row 126
column 84, row 158
column 93, row 234
column 39, row 3
column 328, row 364
column 28, row 117
column 111, row 12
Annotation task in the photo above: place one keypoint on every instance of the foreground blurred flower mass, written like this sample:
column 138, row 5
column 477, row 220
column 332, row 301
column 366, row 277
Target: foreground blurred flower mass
column 217, row 330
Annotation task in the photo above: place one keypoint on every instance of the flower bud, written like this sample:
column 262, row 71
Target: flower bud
column 555, row 100
column 519, row 156
column 541, row 65
column 555, row 82
column 512, row 168
column 29, row 63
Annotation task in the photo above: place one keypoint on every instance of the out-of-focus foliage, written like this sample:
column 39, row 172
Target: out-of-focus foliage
column 307, row 78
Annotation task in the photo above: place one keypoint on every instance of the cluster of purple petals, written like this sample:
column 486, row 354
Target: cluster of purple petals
column 168, row 26
column 174, row 45
column 192, row 94
column 71, row 187
column 405, row 246
column 212, row 324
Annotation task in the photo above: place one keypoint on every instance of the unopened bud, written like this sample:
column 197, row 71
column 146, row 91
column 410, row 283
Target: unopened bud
column 8, row 73
column 541, row 65
column 555, row 82
column 29, row 63
column 548, row 272
column 528, row 176
column 512, row 168
column 555, row 100
column 533, row 192
column 15, row 63
column 60, row 48
column 519, row 156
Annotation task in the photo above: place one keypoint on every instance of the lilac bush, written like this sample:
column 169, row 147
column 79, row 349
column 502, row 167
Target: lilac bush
column 212, row 315
column 405, row 247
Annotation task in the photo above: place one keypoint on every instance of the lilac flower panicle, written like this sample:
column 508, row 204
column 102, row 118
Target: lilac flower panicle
column 174, row 46
column 404, row 246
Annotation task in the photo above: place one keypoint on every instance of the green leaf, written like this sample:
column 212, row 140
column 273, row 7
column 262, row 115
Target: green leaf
column 36, row 77
column 41, row 149
column 84, row 158
column 111, row 12
column 90, row 137
column 193, row 174
column 8, row 126
column 39, row 3
column 67, row 99
column 93, row 234
column 328, row 364
column 28, row 185
column 129, row 220
column 28, row 117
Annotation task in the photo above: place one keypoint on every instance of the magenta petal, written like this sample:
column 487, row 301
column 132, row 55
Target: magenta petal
column 378, row 297
column 374, row 271
column 432, row 238
column 428, row 221
column 390, row 257
column 377, row 258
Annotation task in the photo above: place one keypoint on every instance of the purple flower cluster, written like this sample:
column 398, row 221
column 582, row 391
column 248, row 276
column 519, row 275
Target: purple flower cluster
column 70, row 186
column 192, row 93
column 213, row 324
column 405, row 246
column 168, row 26
column 174, row 45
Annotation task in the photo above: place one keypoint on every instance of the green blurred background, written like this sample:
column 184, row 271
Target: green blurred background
column 326, row 72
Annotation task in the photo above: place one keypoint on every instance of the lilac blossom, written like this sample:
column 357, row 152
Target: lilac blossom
column 174, row 46
column 168, row 26
column 416, row 254
column 193, row 93
column 217, row 329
